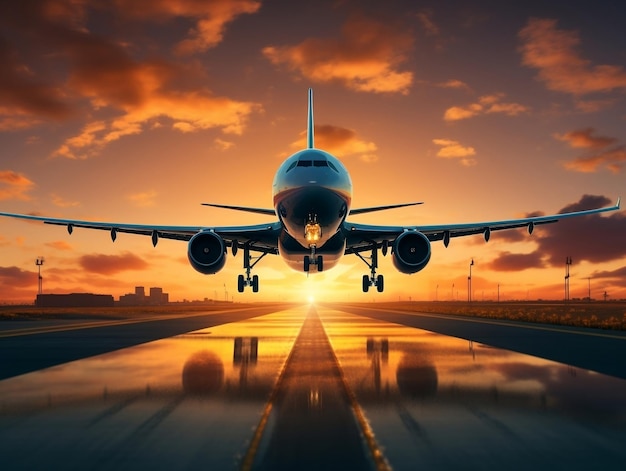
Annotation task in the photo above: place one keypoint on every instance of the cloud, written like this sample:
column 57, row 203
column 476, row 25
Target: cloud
column 14, row 185
column 613, row 159
column 454, row 150
column 507, row 261
column 143, row 199
column 212, row 17
column 340, row 141
column 454, row 84
column 487, row 104
column 365, row 58
column 127, row 89
column 112, row 264
column 554, row 53
column 582, row 138
column 146, row 98
column 593, row 238
column 62, row 202
column 17, row 278
column 429, row 26
column 60, row 245
column 24, row 98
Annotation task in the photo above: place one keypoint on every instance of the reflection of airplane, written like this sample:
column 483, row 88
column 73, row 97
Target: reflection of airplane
column 312, row 195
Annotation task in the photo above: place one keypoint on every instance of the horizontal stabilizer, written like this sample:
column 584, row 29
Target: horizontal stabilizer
column 269, row 212
column 381, row 208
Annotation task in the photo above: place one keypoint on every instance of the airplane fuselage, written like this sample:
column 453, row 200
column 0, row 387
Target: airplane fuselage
column 312, row 193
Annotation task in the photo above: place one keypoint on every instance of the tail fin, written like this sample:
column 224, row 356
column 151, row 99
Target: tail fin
column 310, row 137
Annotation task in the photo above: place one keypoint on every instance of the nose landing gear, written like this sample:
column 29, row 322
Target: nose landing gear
column 313, row 259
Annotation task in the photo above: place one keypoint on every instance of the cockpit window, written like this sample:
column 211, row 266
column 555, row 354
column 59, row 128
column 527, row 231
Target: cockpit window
column 312, row 163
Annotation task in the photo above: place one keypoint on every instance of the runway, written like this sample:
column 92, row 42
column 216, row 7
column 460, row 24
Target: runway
column 309, row 387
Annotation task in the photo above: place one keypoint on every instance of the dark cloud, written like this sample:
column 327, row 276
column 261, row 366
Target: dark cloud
column 17, row 278
column 507, row 261
column 594, row 238
column 23, row 96
column 112, row 264
column 619, row 274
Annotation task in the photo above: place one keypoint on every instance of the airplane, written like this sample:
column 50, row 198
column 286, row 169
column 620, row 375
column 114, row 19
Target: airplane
column 312, row 193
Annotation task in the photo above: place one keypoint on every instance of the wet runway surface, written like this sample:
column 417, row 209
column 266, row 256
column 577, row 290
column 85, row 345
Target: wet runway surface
column 322, row 387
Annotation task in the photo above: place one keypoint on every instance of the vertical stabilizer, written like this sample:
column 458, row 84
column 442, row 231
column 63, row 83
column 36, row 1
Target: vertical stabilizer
column 310, row 138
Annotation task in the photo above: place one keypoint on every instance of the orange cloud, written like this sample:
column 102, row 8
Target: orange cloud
column 612, row 159
column 14, row 185
column 454, row 150
column 144, row 199
column 60, row 245
column 63, row 203
column 554, row 53
column 487, row 104
column 365, row 58
column 144, row 97
column 112, row 264
column 341, row 142
column 212, row 17
column 582, row 138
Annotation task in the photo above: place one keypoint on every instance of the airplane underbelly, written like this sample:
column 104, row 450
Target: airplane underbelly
column 316, row 206
column 293, row 253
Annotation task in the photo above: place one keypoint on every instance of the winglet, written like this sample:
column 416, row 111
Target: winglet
column 310, row 126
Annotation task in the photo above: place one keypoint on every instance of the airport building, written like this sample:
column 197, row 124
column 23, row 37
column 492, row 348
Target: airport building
column 74, row 300
column 156, row 298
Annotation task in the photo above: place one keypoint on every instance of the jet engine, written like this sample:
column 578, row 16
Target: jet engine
column 411, row 252
column 207, row 252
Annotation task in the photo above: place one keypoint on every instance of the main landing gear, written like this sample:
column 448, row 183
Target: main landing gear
column 248, row 265
column 372, row 262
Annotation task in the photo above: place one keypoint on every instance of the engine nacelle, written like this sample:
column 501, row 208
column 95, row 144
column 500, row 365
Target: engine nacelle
column 411, row 252
column 207, row 252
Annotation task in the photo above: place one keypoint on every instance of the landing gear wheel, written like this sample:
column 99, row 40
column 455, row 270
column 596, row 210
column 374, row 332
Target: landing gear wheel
column 320, row 263
column 240, row 283
column 366, row 283
column 255, row 284
column 380, row 283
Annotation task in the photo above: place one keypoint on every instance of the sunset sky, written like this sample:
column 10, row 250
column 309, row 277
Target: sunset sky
column 137, row 111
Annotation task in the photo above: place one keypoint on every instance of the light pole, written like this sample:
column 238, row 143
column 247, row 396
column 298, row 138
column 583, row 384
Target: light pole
column 39, row 263
column 469, row 282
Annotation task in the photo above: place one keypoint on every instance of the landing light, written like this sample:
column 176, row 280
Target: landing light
column 312, row 232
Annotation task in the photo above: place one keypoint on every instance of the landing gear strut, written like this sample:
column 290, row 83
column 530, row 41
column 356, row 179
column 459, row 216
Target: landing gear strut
column 372, row 279
column 313, row 259
column 248, row 265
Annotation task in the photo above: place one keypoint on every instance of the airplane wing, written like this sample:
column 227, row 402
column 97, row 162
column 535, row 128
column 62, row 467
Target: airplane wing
column 361, row 237
column 258, row 237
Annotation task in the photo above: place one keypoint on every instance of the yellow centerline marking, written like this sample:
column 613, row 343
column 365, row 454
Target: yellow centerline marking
column 495, row 322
